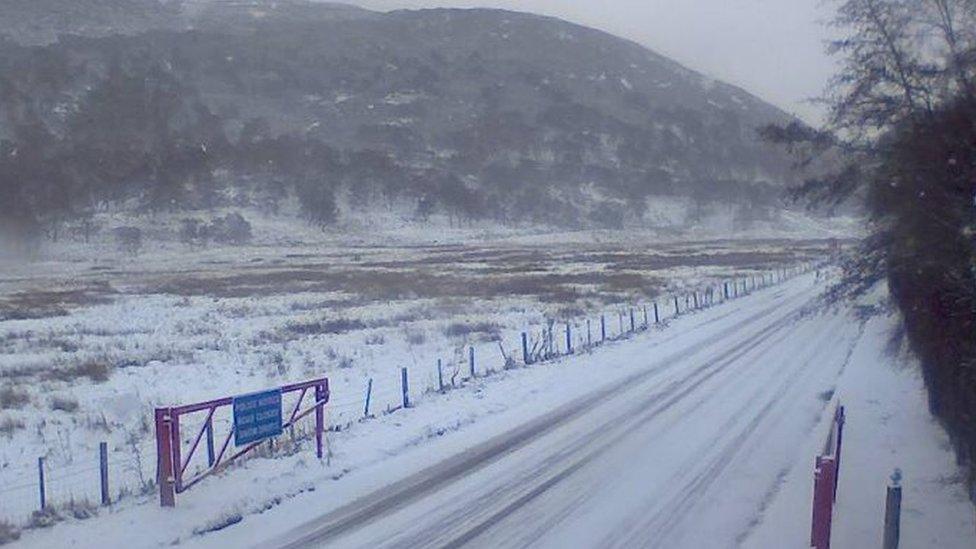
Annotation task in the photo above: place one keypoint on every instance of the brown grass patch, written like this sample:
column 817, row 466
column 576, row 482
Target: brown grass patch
column 8, row 425
column 29, row 305
column 11, row 398
column 459, row 329
column 97, row 371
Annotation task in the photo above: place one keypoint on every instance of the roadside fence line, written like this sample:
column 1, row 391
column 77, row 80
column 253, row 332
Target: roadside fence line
column 110, row 475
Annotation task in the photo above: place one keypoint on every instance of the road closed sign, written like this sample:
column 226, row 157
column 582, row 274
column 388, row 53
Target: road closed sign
column 257, row 416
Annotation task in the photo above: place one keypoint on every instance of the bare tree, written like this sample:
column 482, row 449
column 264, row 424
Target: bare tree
column 883, row 79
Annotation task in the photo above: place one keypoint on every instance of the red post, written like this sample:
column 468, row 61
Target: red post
column 823, row 502
column 176, row 443
column 165, row 476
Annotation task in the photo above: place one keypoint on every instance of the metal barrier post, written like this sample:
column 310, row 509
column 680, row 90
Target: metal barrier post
column 839, row 418
column 40, row 481
column 165, row 477
column 892, row 520
column 321, row 395
column 210, row 443
column 405, row 387
column 103, row 471
column 822, row 503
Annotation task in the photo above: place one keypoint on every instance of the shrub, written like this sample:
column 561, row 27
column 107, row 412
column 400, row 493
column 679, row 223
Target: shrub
column 49, row 516
column 64, row 404
column 218, row 523
column 190, row 230
column 8, row 425
column 95, row 370
column 230, row 229
column 375, row 339
column 80, row 509
column 8, row 532
column 460, row 329
column 318, row 203
column 415, row 337
column 128, row 239
column 11, row 398
column 337, row 326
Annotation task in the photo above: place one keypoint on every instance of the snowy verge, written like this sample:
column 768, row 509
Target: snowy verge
column 888, row 426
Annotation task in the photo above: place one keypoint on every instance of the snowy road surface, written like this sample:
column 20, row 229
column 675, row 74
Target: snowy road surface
column 685, row 452
column 698, row 434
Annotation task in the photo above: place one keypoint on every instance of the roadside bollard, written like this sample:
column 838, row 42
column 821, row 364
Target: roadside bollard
column 892, row 520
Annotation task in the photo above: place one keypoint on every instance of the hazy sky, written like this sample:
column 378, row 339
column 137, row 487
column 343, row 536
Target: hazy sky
column 772, row 48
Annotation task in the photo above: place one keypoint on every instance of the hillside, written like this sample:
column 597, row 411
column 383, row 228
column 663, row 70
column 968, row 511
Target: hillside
column 40, row 22
column 471, row 114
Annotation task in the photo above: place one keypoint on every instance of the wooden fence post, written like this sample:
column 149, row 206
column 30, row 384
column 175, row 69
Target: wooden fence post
column 603, row 328
column 525, row 349
column 103, row 471
column 569, row 339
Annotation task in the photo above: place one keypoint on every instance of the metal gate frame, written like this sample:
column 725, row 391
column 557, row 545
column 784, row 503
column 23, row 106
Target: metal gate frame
column 171, row 466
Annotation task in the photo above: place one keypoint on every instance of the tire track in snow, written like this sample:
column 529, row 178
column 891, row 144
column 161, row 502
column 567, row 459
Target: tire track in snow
column 654, row 532
column 400, row 495
column 584, row 448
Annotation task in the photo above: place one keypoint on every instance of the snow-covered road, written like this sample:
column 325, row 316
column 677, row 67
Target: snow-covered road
column 700, row 433
column 684, row 452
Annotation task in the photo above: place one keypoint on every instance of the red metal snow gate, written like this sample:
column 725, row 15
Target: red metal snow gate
column 171, row 466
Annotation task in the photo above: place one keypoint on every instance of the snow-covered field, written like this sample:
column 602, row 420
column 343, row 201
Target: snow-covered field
column 89, row 346
column 701, row 433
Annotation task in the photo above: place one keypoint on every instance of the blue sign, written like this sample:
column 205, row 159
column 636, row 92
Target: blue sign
column 257, row 416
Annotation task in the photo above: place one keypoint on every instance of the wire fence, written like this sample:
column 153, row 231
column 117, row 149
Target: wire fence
column 76, row 487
